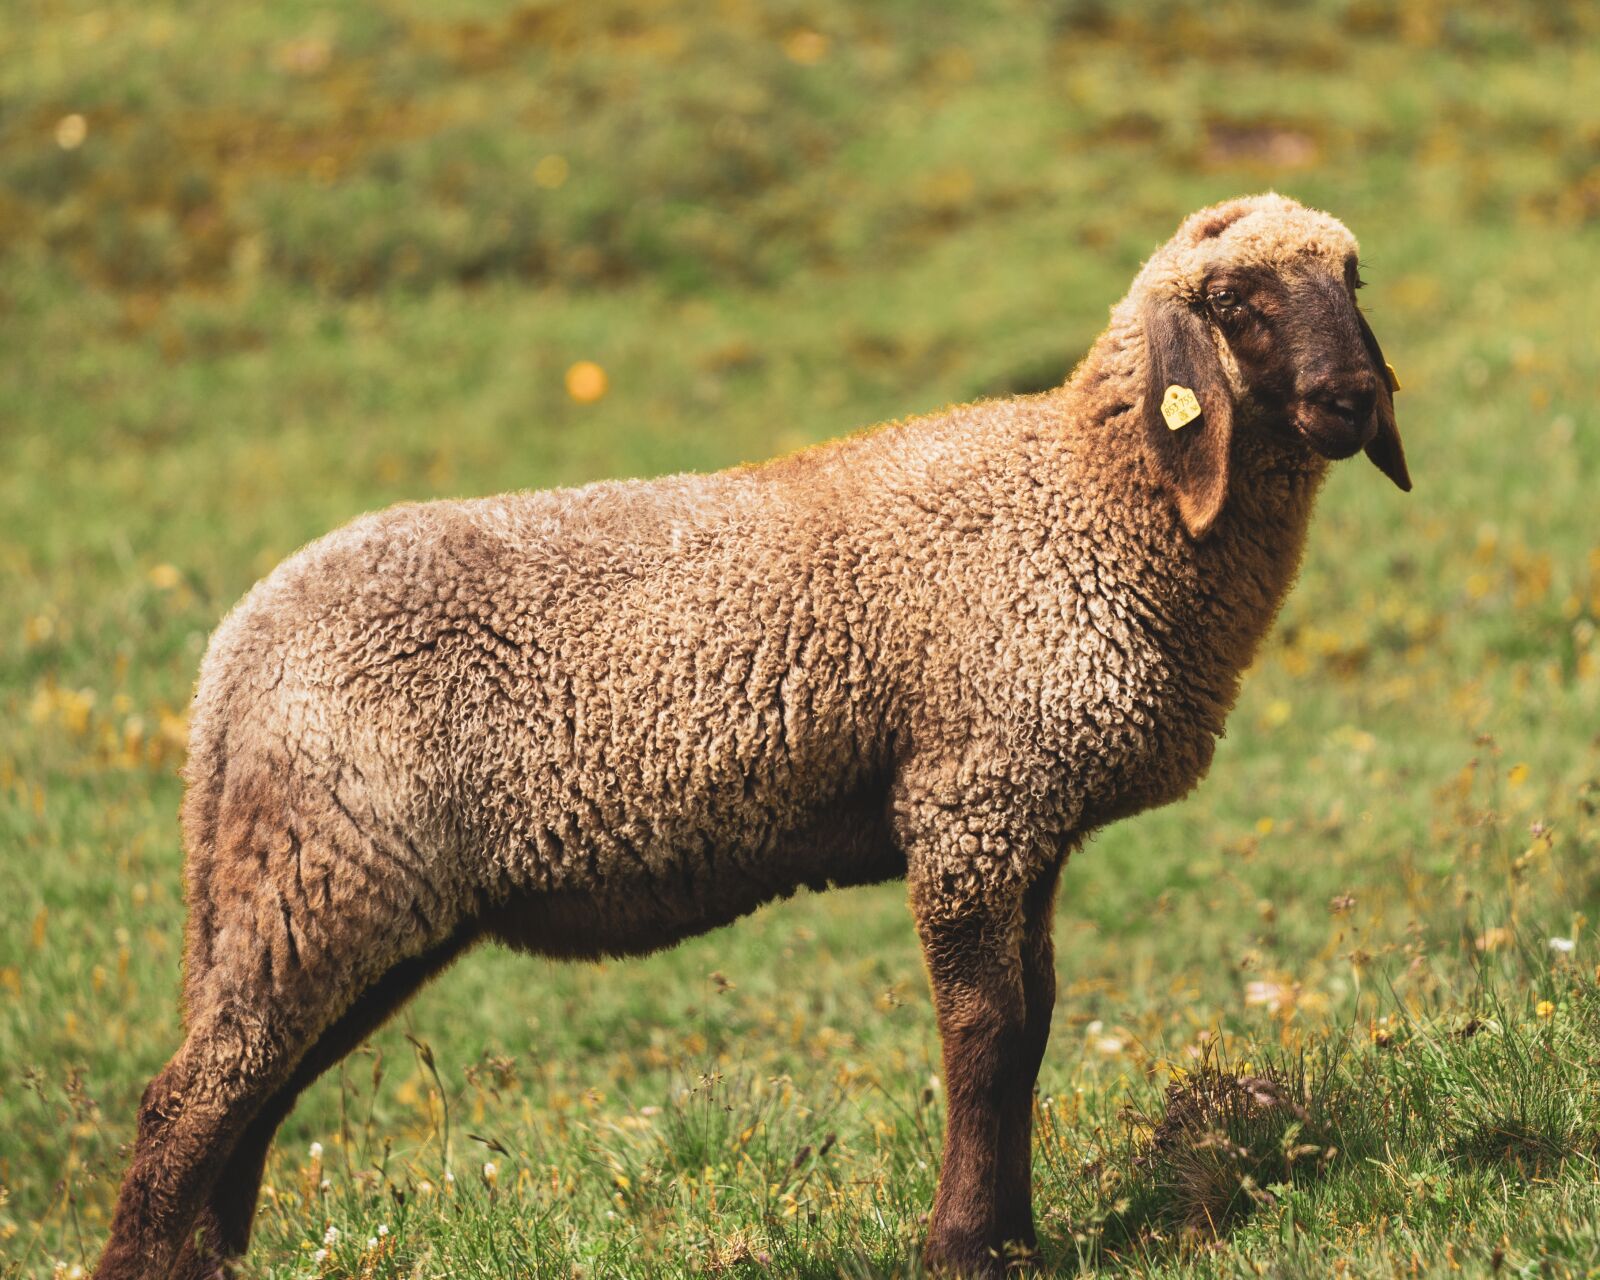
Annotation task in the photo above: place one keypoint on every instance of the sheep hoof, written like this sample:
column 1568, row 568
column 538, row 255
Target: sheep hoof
column 970, row 1259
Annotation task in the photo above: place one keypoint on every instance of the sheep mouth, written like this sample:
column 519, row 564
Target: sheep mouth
column 1332, row 432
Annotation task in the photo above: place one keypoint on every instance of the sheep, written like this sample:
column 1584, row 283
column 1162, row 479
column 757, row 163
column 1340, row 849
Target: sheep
column 596, row 721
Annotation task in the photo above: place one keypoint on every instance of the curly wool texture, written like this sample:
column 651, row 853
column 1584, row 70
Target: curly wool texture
column 597, row 720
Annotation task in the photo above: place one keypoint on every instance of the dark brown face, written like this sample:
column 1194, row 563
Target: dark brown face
column 1307, row 360
column 1303, row 352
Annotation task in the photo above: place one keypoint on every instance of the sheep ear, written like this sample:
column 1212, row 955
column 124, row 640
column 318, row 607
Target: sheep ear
column 1190, row 453
column 1386, row 451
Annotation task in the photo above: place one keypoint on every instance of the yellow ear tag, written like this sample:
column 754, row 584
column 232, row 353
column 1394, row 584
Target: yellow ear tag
column 1394, row 378
column 1179, row 407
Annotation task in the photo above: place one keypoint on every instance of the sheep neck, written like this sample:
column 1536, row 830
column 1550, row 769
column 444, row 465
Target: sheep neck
column 1212, row 600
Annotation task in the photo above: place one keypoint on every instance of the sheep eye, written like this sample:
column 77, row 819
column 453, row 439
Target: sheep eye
column 1223, row 299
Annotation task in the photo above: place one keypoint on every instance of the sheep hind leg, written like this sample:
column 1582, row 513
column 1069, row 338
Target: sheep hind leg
column 267, row 977
column 232, row 1060
column 221, row 1232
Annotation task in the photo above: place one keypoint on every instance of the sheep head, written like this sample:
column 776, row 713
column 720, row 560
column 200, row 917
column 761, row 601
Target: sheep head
column 1250, row 312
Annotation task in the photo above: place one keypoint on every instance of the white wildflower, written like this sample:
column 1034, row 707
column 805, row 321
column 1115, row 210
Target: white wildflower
column 1274, row 995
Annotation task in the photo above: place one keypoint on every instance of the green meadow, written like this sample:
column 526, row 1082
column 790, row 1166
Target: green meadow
column 265, row 267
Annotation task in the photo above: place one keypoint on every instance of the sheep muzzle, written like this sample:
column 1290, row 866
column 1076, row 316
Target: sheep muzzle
column 1338, row 418
column 1342, row 400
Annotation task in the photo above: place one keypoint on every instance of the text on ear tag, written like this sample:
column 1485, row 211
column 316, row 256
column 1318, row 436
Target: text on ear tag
column 1179, row 406
column 1394, row 378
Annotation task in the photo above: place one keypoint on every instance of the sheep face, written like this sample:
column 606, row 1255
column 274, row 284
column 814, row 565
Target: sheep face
column 1250, row 311
column 1304, row 354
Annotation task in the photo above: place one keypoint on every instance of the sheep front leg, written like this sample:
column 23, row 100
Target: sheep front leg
column 973, row 943
column 1039, row 997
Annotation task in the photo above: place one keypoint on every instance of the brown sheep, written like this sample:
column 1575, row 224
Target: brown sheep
column 594, row 722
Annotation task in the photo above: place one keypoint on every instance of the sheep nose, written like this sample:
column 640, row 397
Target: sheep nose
column 1352, row 398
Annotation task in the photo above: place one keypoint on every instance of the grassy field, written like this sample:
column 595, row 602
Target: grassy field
column 265, row 267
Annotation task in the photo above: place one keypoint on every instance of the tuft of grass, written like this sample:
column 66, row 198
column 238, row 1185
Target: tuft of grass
column 1221, row 1141
column 1218, row 1145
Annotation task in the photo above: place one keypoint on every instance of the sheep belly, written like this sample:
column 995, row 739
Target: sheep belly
column 636, row 910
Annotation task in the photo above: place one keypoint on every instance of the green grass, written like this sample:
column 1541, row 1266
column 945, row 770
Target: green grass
column 305, row 261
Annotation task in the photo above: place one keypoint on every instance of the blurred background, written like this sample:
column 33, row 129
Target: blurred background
column 264, row 267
